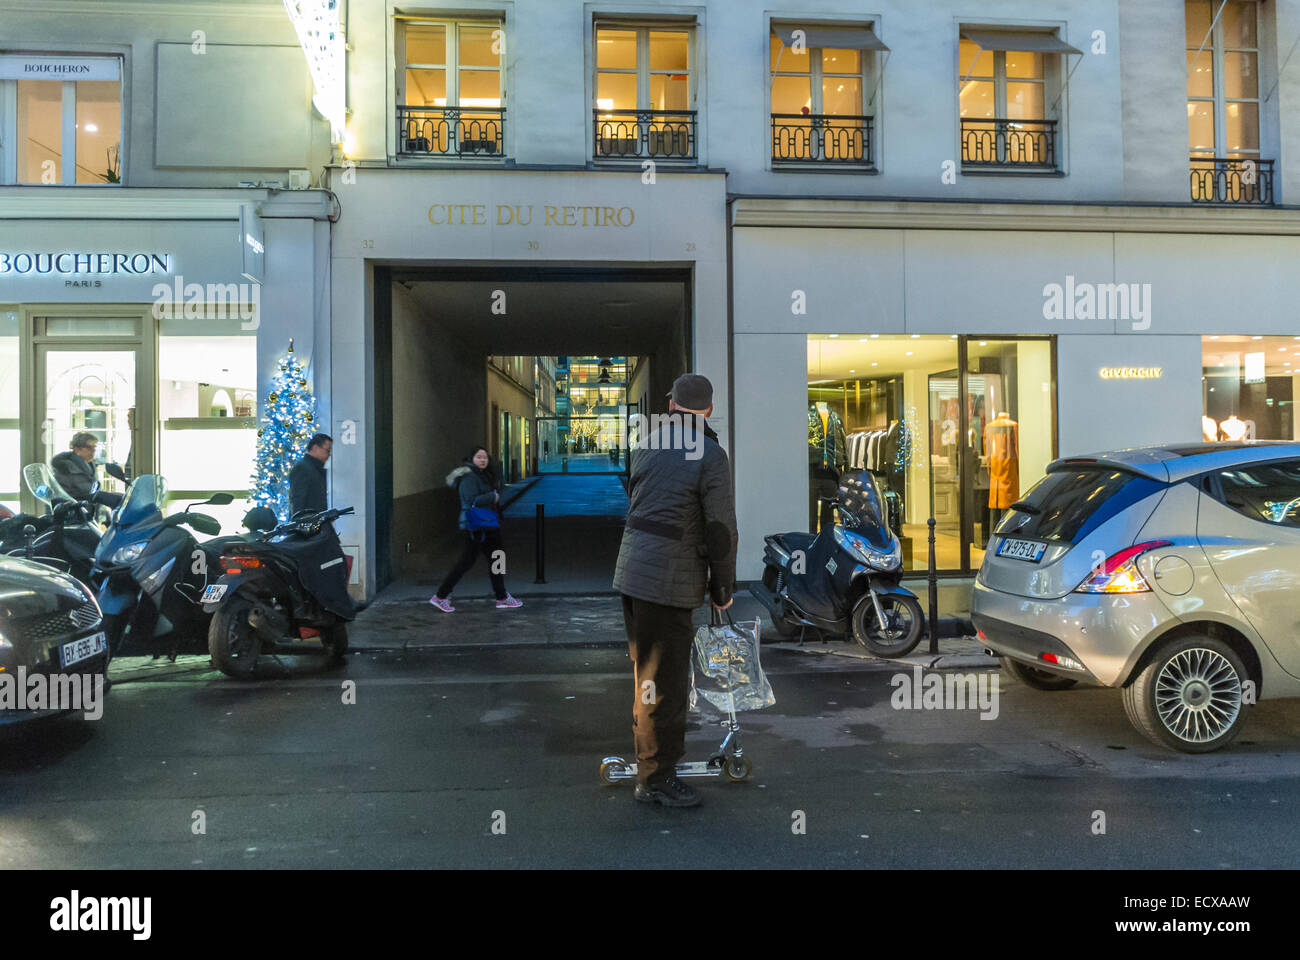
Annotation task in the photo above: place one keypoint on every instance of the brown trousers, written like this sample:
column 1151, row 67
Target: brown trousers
column 659, row 642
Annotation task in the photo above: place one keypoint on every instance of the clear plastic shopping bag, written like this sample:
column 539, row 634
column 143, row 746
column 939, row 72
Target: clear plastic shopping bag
column 725, row 663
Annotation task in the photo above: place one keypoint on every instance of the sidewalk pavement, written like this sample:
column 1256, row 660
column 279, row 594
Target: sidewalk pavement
column 403, row 619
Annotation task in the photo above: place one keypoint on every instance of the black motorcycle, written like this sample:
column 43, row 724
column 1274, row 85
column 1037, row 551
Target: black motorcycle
column 66, row 535
column 291, row 584
column 151, row 573
column 845, row 580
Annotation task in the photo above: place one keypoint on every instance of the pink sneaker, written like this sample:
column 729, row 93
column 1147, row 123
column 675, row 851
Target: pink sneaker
column 509, row 603
column 442, row 603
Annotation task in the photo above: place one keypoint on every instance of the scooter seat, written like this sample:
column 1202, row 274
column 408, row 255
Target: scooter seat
column 796, row 540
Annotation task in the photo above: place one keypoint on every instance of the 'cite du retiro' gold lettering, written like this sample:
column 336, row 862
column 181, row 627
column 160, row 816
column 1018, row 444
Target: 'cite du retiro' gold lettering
column 523, row 214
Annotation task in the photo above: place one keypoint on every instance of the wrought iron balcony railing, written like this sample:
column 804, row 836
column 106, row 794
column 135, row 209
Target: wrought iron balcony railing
column 1215, row 180
column 638, row 134
column 1008, row 143
column 820, row 138
column 451, row 131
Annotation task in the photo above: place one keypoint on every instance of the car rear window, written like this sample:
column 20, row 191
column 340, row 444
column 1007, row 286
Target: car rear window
column 1067, row 505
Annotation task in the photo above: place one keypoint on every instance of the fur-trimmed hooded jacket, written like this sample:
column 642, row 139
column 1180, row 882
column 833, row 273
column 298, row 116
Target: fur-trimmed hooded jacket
column 477, row 488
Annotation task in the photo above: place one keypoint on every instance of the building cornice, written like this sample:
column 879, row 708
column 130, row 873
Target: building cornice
column 145, row 8
column 983, row 215
column 112, row 203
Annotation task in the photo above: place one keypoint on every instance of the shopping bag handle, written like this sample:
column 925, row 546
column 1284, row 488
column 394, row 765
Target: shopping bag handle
column 715, row 616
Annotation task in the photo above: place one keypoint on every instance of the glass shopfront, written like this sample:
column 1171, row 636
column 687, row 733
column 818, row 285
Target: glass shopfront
column 955, row 428
column 95, row 370
column 1249, row 385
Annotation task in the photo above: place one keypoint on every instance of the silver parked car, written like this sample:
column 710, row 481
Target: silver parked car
column 1171, row 572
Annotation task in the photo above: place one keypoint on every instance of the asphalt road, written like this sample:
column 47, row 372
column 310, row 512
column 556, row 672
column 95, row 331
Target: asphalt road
column 442, row 744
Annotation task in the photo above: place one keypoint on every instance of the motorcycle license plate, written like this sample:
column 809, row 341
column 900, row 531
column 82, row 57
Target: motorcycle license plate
column 214, row 593
column 83, row 649
column 1028, row 550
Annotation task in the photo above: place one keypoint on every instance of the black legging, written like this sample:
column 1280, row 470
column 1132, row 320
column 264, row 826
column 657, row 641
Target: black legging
column 488, row 541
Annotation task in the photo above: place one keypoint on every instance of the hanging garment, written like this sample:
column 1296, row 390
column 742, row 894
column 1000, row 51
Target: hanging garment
column 1002, row 446
column 826, row 442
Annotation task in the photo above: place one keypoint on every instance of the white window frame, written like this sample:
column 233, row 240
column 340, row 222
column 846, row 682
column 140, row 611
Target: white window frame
column 1000, row 82
column 815, row 75
column 1216, row 50
column 643, row 71
column 451, row 56
column 68, row 132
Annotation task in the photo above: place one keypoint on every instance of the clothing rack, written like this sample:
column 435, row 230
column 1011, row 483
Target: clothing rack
column 867, row 450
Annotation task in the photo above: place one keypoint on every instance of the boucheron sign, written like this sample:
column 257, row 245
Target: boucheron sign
column 67, row 263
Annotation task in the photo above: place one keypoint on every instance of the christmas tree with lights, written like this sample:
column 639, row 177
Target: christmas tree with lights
column 288, row 421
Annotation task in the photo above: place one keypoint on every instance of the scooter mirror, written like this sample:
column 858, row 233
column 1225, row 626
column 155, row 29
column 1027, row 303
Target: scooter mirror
column 221, row 499
column 113, row 470
column 202, row 523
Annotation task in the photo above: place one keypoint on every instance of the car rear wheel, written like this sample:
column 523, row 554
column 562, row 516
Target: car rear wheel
column 1038, row 679
column 1188, row 697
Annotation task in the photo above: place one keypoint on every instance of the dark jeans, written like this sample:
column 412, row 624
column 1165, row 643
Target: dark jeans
column 659, row 642
column 486, row 541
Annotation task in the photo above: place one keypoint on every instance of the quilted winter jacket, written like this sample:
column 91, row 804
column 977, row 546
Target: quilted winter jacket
column 474, row 489
column 688, row 506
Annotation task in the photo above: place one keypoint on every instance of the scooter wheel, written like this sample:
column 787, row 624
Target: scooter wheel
column 902, row 631
column 737, row 769
column 610, row 767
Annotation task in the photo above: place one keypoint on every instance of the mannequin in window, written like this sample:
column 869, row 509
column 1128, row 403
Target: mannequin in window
column 1234, row 429
column 1002, row 447
column 1209, row 428
column 827, row 455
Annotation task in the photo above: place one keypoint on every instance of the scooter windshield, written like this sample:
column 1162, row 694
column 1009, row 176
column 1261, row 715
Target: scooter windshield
column 40, row 481
column 144, row 498
column 861, row 510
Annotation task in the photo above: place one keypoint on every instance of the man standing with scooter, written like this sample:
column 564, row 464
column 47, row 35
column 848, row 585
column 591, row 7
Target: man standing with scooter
column 678, row 545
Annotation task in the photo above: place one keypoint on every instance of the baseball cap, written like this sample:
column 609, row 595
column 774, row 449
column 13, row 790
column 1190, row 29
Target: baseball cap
column 692, row 391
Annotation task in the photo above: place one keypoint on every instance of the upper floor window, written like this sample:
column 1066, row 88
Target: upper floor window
column 644, row 92
column 60, row 119
column 823, row 93
column 1008, row 94
column 450, row 88
column 1223, row 103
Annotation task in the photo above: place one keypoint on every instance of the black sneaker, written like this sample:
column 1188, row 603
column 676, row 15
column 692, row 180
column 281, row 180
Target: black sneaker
column 668, row 793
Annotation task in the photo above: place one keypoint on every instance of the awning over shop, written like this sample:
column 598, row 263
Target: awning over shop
column 1018, row 40
column 832, row 37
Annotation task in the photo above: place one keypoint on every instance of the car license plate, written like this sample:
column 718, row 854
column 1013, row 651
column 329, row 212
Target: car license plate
column 83, row 649
column 1028, row 550
column 214, row 593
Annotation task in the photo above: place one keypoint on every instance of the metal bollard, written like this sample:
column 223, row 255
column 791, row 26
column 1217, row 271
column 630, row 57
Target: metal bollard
column 934, row 592
column 541, row 544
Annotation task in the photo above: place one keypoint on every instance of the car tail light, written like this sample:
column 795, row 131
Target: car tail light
column 306, row 633
column 237, row 565
column 1061, row 661
column 348, row 558
column 1119, row 574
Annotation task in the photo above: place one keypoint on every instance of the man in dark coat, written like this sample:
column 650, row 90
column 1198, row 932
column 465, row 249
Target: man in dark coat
column 680, row 541
column 307, row 478
column 74, row 469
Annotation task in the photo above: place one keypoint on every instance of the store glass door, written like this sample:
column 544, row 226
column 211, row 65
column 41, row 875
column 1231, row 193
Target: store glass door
column 1010, row 431
column 91, row 389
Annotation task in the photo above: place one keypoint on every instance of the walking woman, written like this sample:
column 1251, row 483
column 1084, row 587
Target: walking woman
column 479, row 518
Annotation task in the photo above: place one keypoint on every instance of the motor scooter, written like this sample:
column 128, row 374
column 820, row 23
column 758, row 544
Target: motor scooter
column 67, row 535
column 292, row 583
column 845, row 580
column 151, row 573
